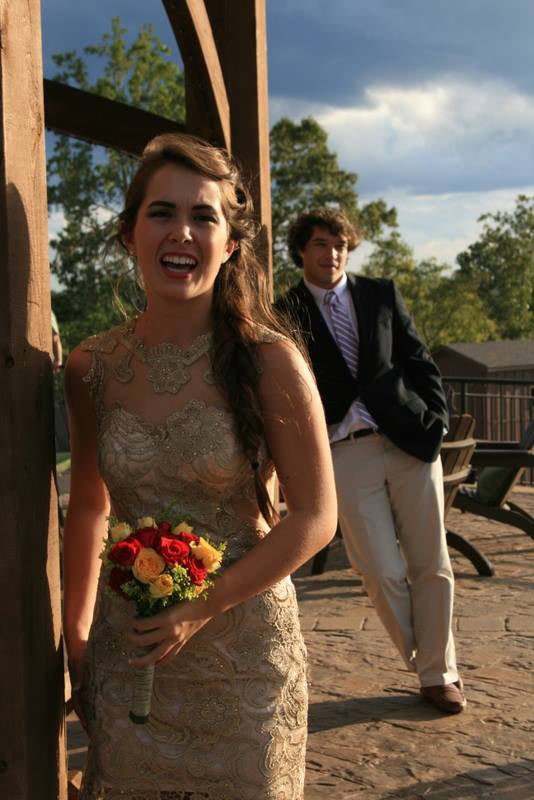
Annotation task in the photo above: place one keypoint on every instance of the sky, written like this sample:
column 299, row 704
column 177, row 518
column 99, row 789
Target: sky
column 431, row 103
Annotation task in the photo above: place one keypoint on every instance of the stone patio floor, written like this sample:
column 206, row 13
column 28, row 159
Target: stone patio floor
column 371, row 737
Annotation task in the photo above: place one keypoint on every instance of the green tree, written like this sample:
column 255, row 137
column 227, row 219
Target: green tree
column 500, row 264
column 305, row 174
column 87, row 183
column 391, row 258
column 446, row 307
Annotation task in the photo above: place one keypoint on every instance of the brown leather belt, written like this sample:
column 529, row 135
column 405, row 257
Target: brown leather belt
column 359, row 434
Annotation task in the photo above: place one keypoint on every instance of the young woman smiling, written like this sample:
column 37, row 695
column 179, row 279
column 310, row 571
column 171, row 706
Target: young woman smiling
column 199, row 401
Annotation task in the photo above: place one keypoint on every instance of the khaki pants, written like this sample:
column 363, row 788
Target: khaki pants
column 391, row 517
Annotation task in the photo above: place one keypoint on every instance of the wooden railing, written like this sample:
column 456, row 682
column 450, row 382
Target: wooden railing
column 502, row 408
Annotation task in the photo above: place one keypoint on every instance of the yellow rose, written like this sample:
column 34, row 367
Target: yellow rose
column 146, row 522
column 183, row 527
column 120, row 531
column 148, row 565
column 205, row 552
column 161, row 586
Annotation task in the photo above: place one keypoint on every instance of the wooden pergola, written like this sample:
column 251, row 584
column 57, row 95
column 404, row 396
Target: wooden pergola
column 223, row 46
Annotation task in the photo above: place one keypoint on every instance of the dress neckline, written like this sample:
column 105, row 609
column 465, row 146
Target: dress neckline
column 167, row 363
column 200, row 344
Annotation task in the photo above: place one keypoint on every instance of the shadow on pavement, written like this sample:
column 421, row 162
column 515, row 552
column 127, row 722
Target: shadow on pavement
column 514, row 780
column 330, row 714
column 316, row 584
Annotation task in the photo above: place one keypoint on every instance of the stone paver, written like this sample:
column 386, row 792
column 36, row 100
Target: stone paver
column 370, row 735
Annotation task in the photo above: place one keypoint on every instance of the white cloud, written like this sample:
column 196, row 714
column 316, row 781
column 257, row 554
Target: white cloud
column 440, row 137
column 442, row 153
column 448, row 135
column 441, row 226
column 56, row 221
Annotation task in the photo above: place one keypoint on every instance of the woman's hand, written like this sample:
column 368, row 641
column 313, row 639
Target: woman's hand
column 167, row 632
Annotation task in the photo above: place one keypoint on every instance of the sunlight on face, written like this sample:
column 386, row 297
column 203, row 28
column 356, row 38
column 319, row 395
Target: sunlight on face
column 324, row 257
column 180, row 237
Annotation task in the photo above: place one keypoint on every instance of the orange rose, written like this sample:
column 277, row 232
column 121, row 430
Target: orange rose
column 148, row 565
column 120, row 531
column 209, row 555
column 183, row 527
column 161, row 586
column 146, row 522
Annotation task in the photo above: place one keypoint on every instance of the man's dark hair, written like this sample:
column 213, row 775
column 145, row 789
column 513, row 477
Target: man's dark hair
column 332, row 219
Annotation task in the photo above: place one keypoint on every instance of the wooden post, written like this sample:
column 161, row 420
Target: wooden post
column 225, row 59
column 206, row 101
column 32, row 756
column 241, row 39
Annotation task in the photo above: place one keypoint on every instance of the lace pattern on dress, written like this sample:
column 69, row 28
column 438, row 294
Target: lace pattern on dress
column 229, row 711
column 166, row 362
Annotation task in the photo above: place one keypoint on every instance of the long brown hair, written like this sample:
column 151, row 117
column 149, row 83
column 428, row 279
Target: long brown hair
column 242, row 309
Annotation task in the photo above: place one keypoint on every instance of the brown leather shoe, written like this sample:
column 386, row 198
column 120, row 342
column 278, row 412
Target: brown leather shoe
column 448, row 697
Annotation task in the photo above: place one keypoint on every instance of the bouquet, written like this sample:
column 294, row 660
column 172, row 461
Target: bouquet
column 156, row 565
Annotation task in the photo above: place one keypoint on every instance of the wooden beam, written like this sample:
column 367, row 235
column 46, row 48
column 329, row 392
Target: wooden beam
column 207, row 107
column 32, row 755
column 101, row 121
column 245, row 33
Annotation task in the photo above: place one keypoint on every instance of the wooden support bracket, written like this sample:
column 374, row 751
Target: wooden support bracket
column 105, row 122
column 207, row 106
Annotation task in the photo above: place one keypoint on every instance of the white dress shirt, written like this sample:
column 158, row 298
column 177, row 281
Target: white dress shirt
column 352, row 420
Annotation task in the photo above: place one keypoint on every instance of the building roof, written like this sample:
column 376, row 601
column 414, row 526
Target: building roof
column 506, row 354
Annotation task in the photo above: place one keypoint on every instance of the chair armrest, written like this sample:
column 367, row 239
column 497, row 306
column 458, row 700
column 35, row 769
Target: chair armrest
column 502, row 458
column 457, row 444
column 489, row 444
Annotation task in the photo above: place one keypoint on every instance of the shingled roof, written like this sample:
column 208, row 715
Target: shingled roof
column 506, row 354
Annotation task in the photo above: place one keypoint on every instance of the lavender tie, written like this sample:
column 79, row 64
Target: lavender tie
column 347, row 342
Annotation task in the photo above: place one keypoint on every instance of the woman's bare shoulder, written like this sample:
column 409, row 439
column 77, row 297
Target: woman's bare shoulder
column 78, row 363
column 106, row 341
column 286, row 378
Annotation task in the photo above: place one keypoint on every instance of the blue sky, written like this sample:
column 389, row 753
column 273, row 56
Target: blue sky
column 430, row 102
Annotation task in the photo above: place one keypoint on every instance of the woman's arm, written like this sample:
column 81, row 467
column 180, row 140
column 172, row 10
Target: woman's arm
column 296, row 435
column 85, row 525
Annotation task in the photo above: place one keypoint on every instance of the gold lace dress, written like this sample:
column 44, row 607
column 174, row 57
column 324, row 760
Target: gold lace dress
column 228, row 718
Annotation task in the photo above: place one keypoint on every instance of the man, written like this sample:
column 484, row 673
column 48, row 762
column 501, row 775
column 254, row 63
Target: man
column 386, row 411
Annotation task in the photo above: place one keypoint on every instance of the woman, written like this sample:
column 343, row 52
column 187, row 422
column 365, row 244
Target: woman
column 195, row 402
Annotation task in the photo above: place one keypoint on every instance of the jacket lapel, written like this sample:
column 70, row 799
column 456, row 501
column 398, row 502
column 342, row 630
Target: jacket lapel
column 317, row 329
column 363, row 305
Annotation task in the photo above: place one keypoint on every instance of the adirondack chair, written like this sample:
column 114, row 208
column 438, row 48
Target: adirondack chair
column 501, row 465
column 456, row 453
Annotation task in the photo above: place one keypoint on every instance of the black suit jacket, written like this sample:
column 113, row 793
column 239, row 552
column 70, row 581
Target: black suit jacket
column 397, row 379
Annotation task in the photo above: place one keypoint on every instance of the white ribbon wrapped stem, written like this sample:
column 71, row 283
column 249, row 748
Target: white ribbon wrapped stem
column 142, row 694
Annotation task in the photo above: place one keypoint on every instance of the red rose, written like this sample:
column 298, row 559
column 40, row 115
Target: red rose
column 196, row 571
column 147, row 536
column 164, row 528
column 117, row 577
column 124, row 553
column 173, row 550
column 188, row 537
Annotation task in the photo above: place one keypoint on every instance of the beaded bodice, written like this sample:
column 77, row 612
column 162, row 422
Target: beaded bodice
column 165, row 435
column 228, row 717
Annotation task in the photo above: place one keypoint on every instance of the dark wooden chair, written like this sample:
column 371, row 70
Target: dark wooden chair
column 499, row 466
column 456, row 453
